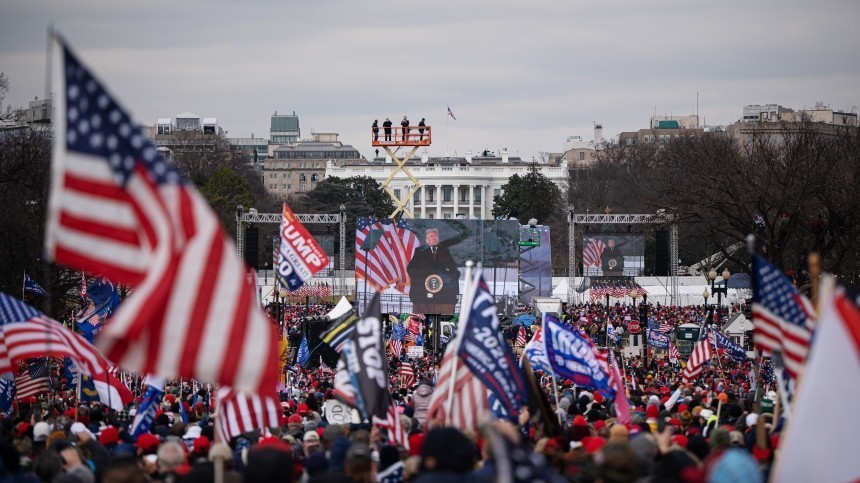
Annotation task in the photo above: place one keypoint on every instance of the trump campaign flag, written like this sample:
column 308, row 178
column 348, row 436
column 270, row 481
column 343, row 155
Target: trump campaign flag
column 484, row 351
column 148, row 407
column 30, row 286
column 119, row 208
column 535, row 352
column 103, row 300
column 814, row 446
column 572, row 355
column 365, row 360
column 299, row 254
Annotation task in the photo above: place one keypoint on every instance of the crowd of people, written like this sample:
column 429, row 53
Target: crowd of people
column 710, row 430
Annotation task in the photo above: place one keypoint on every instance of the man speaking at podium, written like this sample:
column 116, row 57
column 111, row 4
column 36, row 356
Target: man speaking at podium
column 434, row 277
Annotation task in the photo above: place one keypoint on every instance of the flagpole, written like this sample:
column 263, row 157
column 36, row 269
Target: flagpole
column 467, row 289
column 446, row 132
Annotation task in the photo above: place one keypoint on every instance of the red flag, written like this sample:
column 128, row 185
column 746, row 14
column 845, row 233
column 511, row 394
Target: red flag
column 117, row 207
column 622, row 405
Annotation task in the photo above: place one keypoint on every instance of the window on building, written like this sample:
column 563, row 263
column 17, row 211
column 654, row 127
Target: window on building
column 397, row 193
column 302, row 177
column 497, row 192
column 430, row 215
column 289, row 186
column 314, row 178
column 284, row 175
column 430, row 194
column 283, row 186
column 446, row 193
column 447, row 216
column 582, row 156
column 477, row 194
column 416, row 198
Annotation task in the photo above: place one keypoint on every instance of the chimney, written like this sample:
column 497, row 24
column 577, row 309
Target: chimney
column 504, row 155
column 598, row 134
column 469, row 156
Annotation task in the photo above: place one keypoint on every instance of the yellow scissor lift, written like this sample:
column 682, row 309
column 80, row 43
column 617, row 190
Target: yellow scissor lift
column 401, row 137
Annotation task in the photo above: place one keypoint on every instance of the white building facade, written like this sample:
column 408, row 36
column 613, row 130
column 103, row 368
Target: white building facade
column 458, row 187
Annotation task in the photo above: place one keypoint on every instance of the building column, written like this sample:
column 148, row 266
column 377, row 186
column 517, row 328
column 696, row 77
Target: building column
column 471, row 213
column 439, row 192
column 456, row 189
column 423, row 201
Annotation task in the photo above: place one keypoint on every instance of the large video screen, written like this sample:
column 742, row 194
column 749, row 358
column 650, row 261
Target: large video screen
column 535, row 263
column 419, row 266
column 610, row 255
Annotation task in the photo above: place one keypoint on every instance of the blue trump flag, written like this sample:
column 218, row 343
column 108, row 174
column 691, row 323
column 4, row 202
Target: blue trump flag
column 148, row 407
column 657, row 339
column 304, row 354
column 70, row 373
column 572, row 356
column 7, row 396
column 722, row 342
column 483, row 350
column 104, row 300
column 30, row 286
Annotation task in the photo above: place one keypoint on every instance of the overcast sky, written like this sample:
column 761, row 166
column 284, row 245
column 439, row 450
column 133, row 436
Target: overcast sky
column 517, row 74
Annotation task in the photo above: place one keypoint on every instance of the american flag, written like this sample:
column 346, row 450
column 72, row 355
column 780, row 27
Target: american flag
column 470, row 406
column 597, row 292
column 118, row 208
column 26, row 333
column 591, row 252
column 782, row 316
column 674, row 355
column 664, row 327
column 34, row 379
column 239, row 413
column 451, row 113
column 521, row 337
column 407, row 375
column 396, row 346
column 386, row 263
column 396, row 432
column 698, row 358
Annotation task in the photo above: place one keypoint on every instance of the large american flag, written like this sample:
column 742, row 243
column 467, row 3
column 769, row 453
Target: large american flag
column 470, row 406
column 118, row 208
column 239, row 413
column 591, row 252
column 33, row 380
column 385, row 264
column 782, row 316
column 701, row 354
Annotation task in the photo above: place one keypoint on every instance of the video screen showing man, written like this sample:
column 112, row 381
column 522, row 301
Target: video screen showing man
column 611, row 260
column 434, row 277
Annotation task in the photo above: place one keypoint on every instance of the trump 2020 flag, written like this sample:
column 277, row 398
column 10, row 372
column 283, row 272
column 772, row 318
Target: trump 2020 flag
column 304, row 353
column 118, row 207
column 148, row 406
column 103, row 300
column 572, row 355
column 482, row 348
column 535, row 352
column 818, row 444
column 30, row 286
column 299, row 254
column 7, row 396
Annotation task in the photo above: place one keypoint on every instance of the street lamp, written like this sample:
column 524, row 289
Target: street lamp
column 720, row 290
column 705, row 294
column 634, row 294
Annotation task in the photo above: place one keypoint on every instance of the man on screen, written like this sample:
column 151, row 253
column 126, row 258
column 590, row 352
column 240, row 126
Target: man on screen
column 434, row 277
column 611, row 260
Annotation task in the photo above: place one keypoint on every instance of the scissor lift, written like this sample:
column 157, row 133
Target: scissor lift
column 391, row 141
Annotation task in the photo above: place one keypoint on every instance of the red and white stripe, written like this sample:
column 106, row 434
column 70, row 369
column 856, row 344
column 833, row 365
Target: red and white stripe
column 396, row 432
column 407, row 375
column 592, row 252
column 521, row 337
column 386, row 263
column 774, row 335
column 674, row 355
column 27, row 386
column 702, row 353
column 470, row 406
column 193, row 312
column 396, row 346
column 239, row 413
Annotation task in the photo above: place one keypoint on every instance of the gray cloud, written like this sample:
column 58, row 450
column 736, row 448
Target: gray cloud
column 517, row 75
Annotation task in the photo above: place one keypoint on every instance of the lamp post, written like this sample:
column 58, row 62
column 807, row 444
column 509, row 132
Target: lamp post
column 705, row 295
column 634, row 294
column 719, row 290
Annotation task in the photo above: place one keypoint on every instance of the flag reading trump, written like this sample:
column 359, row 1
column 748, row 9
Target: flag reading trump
column 299, row 256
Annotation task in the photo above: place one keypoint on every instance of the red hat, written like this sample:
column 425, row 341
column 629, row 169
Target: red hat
column 303, row 409
column 682, row 408
column 295, row 418
column 680, row 440
column 109, row 435
column 652, row 411
column 598, row 398
column 22, row 428
column 275, row 443
column 599, row 424
column 202, row 444
column 593, row 444
column 675, row 422
column 147, row 441
column 579, row 420
column 170, row 398
column 664, row 400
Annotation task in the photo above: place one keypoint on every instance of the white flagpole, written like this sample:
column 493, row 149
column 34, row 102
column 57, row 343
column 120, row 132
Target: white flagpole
column 465, row 309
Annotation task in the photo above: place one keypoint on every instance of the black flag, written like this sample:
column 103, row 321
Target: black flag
column 367, row 364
